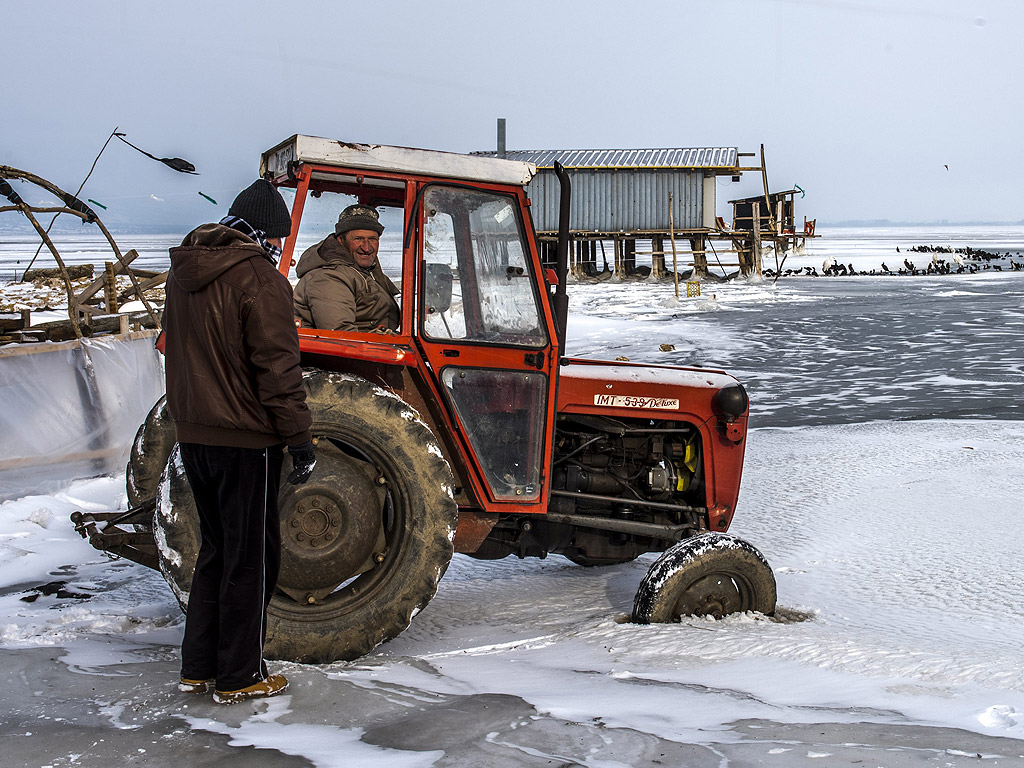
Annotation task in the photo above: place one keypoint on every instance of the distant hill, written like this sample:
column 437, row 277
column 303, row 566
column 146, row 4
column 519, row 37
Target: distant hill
column 12, row 224
column 890, row 223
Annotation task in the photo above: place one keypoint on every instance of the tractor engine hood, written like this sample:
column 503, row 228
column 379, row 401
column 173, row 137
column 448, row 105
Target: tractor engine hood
column 623, row 389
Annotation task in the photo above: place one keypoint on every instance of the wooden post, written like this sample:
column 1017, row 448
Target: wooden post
column 629, row 256
column 767, row 198
column 755, row 266
column 700, row 255
column 672, row 237
column 109, row 288
column 658, row 256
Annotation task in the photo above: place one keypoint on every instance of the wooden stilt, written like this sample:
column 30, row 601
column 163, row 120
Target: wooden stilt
column 755, row 266
column 700, row 256
column 658, row 256
column 628, row 256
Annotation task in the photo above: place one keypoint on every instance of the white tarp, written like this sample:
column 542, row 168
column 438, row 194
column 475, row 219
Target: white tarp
column 71, row 409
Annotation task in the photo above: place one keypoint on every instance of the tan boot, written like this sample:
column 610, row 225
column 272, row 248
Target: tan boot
column 195, row 686
column 273, row 685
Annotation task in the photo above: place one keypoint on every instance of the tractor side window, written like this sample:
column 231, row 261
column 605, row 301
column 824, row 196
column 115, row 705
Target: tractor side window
column 478, row 283
column 503, row 414
column 443, row 315
column 318, row 291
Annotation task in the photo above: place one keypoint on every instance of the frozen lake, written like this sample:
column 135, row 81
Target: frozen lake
column 827, row 350
column 883, row 482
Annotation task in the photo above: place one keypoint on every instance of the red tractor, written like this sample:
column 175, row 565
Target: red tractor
column 469, row 431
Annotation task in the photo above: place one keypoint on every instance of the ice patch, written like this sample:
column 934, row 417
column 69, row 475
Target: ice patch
column 1001, row 716
column 324, row 746
column 41, row 517
column 113, row 713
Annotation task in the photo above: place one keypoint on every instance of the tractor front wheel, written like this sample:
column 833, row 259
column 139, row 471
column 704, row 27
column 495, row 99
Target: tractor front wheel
column 712, row 574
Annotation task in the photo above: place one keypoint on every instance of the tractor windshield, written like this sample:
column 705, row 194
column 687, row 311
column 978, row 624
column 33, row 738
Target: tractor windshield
column 478, row 284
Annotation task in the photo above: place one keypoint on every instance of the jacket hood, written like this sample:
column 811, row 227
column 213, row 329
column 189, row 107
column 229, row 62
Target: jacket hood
column 207, row 252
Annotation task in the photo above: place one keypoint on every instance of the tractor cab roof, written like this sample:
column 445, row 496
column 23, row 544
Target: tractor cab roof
column 404, row 160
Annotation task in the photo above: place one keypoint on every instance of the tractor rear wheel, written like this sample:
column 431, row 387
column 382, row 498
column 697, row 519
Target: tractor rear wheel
column 712, row 574
column 152, row 446
column 363, row 542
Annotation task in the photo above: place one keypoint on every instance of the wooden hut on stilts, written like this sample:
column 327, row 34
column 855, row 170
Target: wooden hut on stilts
column 629, row 204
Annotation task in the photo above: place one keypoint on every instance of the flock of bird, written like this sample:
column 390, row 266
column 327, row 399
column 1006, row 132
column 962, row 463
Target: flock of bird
column 962, row 261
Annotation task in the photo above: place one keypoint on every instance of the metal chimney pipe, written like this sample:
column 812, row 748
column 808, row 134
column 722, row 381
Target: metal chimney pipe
column 501, row 137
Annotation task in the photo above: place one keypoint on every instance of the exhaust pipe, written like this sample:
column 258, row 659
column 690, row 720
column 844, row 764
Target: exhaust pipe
column 560, row 303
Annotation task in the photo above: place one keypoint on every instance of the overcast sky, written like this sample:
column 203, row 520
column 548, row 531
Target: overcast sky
column 862, row 103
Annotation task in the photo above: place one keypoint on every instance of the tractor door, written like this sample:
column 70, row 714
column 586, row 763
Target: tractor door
column 488, row 336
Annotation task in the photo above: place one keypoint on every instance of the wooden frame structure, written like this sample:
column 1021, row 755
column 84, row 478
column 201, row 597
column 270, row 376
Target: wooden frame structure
column 83, row 310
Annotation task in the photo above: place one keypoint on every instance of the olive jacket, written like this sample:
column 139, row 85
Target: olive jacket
column 232, row 353
column 334, row 293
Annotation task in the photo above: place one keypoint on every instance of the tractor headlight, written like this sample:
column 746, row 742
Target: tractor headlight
column 730, row 402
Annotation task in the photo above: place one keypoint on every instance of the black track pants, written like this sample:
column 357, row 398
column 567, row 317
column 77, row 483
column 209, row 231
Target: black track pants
column 236, row 496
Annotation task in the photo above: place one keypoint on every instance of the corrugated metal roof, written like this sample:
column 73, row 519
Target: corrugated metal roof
column 696, row 157
column 628, row 200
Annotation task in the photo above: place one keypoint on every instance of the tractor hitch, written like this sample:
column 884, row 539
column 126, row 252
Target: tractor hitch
column 139, row 547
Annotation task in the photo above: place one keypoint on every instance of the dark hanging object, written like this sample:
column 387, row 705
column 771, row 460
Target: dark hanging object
column 75, row 204
column 8, row 191
column 70, row 200
column 175, row 163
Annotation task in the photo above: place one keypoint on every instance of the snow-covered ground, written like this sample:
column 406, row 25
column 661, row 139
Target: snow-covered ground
column 883, row 482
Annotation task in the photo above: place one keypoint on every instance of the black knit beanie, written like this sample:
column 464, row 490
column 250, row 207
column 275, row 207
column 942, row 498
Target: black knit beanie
column 358, row 217
column 262, row 207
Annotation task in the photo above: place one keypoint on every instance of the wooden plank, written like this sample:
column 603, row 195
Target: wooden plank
column 75, row 272
column 16, row 350
column 157, row 280
column 39, row 461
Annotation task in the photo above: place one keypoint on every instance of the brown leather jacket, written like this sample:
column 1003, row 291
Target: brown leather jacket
column 336, row 294
column 232, row 354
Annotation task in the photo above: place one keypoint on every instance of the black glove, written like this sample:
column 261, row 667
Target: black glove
column 303, row 461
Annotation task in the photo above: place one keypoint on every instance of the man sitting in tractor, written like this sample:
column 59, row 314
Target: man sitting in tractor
column 341, row 284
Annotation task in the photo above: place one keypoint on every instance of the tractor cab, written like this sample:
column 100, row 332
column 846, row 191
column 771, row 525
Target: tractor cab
column 477, row 330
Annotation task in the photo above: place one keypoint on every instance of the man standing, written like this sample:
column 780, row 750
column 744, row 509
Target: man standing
column 341, row 285
column 235, row 394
